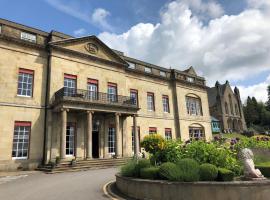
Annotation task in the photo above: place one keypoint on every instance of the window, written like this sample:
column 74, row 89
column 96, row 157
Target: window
column 133, row 138
column 134, row 96
column 111, row 140
column 162, row 73
column 25, row 82
column 231, row 105
column 226, row 108
column 150, row 101
column 28, row 37
column 0, row 28
column 21, row 138
column 165, row 102
column 236, row 109
column 92, row 88
column 190, row 79
column 168, row 134
column 152, row 130
column 193, row 106
column 131, row 65
column 112, row 92
column 70, row 139
column 148, row 69
column 70, row 85
column 196, row 133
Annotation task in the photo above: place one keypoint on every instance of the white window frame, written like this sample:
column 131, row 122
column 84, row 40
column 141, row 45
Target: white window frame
column 168, row 136
column 196, row 133
column 134, row 97
column 162, row 73
column 29, row 37
column 23, row 133
column 70, row 86
column 112, row 93
column 193, row 106
column 0, row 28
column 70, row 138
column 131, row 65
column 25, row 84
column 111, row 141
column 150, row 102
column 92, row 89
column 190, row 79
column 165, row 103
column 148, row 69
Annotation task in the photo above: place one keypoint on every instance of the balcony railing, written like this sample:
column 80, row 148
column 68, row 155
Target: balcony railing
column 94, row 97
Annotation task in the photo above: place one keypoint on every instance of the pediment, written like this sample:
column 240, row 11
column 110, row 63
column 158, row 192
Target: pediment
column 92, row 46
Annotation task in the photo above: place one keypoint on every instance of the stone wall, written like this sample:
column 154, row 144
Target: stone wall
column 164, row 190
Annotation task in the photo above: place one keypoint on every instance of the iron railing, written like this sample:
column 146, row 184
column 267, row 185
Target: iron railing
column 95, row 97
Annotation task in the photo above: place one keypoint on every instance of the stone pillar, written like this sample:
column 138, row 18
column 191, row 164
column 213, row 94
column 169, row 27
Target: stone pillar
column 63, row 133
column 117, row 136
column 136, row 137
column 105, row 147
column 89, row 134
column 125, row 137
column 101, row 137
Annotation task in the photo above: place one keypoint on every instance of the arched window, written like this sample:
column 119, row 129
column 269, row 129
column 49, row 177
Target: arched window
column 226, row 108
column 236, row 109
column 231, row 105
column 193, row 104
column 196, row 132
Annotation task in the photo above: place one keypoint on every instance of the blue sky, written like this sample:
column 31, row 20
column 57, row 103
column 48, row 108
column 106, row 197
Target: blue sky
column 137, row 27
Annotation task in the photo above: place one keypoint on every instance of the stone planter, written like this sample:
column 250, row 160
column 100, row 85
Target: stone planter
column 165, row 190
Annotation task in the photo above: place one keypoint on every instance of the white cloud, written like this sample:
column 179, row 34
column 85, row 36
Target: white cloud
column 80, row 32
column 233, row 47
column 99, row 17
column 259, row 91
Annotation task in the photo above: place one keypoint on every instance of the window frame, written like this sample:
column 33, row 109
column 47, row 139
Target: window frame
column 153, row 101
column 25, row 38
column 110, row 96
column 22, row 124
column 201, row 134
column 190, row 79
column 191, row 106
column 28, row 72
column 72, row 91
column 162, row 73
column 134, row 91
column 112, row 143
column 152, row 129
column 168, row 130
column 146, row 70
column 168, row 103
column 131, row 65
column 90, row 95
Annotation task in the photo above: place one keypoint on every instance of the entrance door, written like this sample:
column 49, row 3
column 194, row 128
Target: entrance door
column 70, row 139
column 95, row 144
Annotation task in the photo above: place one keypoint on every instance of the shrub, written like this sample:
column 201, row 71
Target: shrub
column 208, row 172
column 142, row 163
column 225, row 175
column 264, row 168
column 149, row 173
column 169, row 171
column 129, row 169
column 189, row 170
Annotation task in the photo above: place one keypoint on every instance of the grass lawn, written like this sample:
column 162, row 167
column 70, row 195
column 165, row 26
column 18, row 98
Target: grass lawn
column 231, row 135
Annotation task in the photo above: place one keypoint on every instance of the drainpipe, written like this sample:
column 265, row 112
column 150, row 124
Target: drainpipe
column 46, row 100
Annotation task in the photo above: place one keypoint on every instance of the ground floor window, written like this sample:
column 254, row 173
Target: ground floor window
column 168, row 133
column 111, row 140
column 70, row 139
column 21, row 136
column 152, row 130
column 133, row 138
column 196, row 133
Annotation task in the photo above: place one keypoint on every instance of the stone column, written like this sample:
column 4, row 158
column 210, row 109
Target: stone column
column 117, row 136
column 89, row 134
column 136, row 137
column 125, row 137
column 63, row 133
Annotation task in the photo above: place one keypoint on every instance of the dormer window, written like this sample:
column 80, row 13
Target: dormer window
column 0, row 28
column 148, row 69
column 162, row 73
column 190, row 79
column 131, row 65
column 28, row 37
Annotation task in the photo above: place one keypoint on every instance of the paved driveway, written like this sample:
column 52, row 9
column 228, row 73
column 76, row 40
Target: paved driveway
column 84, row 185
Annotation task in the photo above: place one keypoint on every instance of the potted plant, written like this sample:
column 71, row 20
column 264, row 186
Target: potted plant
column 73, row 162
column 57, row 160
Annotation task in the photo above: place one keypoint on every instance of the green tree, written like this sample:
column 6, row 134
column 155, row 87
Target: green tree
column 268, row 102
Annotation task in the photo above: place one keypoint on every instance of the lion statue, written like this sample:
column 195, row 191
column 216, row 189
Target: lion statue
column 246, row 155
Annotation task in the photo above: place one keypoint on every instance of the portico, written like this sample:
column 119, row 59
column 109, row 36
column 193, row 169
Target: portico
column 91, row 129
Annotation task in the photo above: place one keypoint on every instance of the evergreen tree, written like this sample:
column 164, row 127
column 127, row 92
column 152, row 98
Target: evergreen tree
column 268, row 102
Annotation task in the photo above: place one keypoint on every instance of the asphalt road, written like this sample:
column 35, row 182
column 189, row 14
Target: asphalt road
column 84, row 185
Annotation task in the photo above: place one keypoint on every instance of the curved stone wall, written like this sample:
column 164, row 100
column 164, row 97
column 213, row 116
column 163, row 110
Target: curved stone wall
column 165, row 190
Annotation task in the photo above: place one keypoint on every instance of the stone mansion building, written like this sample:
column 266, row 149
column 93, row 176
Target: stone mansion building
column 77, row 98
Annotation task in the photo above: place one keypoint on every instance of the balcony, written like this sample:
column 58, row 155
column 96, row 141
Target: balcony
column 93, row 98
